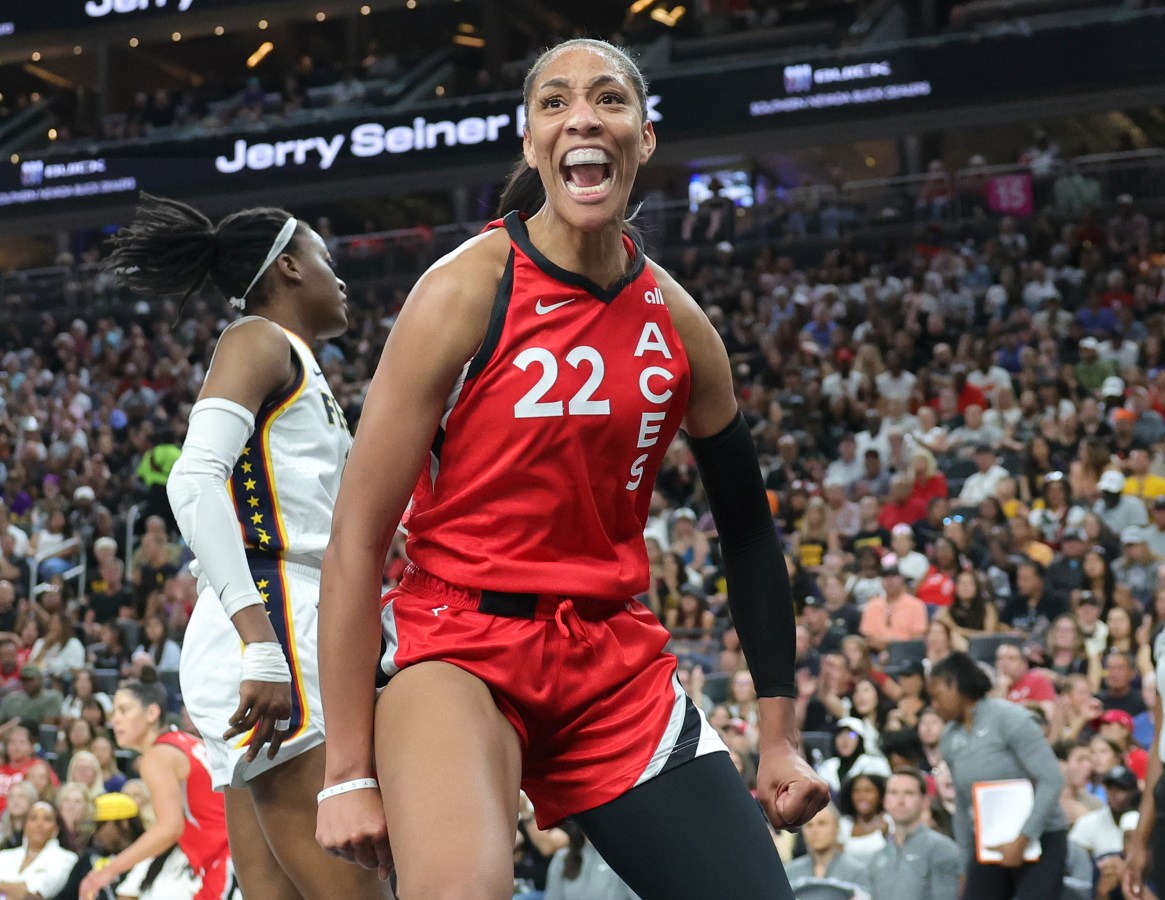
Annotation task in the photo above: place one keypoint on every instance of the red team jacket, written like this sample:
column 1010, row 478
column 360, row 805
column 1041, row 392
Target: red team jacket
column 204, row 839
column 541, row 472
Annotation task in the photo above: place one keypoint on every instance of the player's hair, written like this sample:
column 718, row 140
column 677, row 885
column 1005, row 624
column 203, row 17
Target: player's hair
column 147, row 694
column 964, row 673
column 171, row 249
column 523, row 190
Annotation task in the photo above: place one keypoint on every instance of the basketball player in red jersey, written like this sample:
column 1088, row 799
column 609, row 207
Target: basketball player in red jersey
column 189, row 811
column 534, row 379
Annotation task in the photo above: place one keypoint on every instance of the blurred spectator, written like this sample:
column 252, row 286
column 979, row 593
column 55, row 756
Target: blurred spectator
column 895, row 615
column 825, row 857
column 918, row 862
column 41, row 866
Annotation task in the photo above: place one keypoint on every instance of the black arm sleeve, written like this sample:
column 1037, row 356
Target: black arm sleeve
column 759, row 593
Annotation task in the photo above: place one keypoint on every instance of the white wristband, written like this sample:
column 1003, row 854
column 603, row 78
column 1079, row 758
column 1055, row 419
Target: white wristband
column 264, row 661
column 356, row 784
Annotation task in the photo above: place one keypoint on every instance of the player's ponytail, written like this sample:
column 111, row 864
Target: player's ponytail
column 171, row 249
column 523, row 190
column 147, row 694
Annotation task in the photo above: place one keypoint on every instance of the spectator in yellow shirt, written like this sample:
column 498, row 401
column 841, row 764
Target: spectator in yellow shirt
column 1141, row 482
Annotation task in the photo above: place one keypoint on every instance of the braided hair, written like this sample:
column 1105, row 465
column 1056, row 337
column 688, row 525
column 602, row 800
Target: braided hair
column 171, row 249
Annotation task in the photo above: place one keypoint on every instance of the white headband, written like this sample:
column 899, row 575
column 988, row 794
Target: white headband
column 281, row 241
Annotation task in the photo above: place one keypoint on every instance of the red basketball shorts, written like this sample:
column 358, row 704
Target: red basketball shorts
column 585, row 683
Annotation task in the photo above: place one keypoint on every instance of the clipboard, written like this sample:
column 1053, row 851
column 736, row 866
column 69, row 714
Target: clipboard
column 1000, row 808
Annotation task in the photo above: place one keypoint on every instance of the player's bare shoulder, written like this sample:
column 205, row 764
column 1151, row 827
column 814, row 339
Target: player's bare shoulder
column 689, row 320
column 469, row 275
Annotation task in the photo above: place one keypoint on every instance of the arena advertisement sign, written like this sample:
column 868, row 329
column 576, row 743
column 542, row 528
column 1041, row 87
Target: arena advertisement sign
column 21, row 17
column 757, row 97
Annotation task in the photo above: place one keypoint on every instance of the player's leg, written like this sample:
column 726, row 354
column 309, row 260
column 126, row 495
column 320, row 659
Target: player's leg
column 449, row 765
column 285, row 806
column 259, row 873
column 690, row 833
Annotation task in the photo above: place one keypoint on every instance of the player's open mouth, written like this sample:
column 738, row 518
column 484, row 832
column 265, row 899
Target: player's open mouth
column 587, row 172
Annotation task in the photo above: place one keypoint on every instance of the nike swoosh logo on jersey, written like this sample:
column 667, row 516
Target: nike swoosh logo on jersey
column 543, row 308
column 317, row 372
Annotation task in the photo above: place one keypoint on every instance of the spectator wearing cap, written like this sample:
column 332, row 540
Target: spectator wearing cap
column 917, row 862
column 983, row 482
column 988, row 739
column 825, row 859
column 1118, row 692
column 1023, row 684
column 895, row 615
column 850, row 757
column 1117, row 726
column 1137, row 566
column 844, row 380
column 1112, row 391
column 912, row 564
column 117, row 824
column 1101, row 831
column 1031, row 608
column 1065, row 574
column 1116, row 509
column 32, row 703
column 825, row 636
column 1091, row 371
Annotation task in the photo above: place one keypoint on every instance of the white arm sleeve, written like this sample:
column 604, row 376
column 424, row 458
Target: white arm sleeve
column 219, row 429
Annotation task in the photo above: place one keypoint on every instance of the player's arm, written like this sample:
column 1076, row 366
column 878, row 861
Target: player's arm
column 163, row 769
column 1139, row 853
column 440, row 327
column 759, row 593
column 252, row 362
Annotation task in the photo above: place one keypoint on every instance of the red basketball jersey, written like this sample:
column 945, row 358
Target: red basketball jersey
column 204, row 839
column 541, row 473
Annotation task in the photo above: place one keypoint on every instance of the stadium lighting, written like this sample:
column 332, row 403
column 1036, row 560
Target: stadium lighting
column 262, row 24
column 14, row 158
column 133, row 42
column 176, row 36
column 36, row 56
column 411, row 4
column 365, row 10
column 52, row 134
column 321, row 15
column 639, row 6
column 219, row 30
column 467, row 40
column 260, row 54
column 465, row 28
column 77, row 50
column 439, row 90
column 668, row 18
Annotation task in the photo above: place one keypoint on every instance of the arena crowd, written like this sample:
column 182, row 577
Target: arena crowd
column 964, row 447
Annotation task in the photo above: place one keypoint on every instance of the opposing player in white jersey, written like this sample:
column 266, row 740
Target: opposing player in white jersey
column 253, row 493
